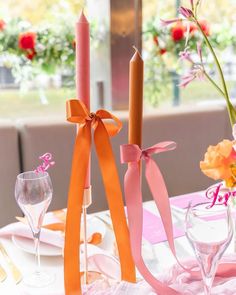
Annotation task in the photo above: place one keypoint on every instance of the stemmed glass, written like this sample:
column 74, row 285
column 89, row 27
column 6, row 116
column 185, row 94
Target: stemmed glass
column 33, row 193
column 209, row 231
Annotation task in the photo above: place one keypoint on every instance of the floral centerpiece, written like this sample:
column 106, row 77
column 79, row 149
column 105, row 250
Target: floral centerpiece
column 165, row 44
column 220, row 161
column 46, row 46
column 31, row 50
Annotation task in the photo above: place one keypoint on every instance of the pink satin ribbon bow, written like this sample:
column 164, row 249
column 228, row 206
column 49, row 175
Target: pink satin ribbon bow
column 132, row 154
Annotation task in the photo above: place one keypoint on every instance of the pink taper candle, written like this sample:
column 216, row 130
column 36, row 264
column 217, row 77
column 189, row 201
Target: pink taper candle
column 83, row 67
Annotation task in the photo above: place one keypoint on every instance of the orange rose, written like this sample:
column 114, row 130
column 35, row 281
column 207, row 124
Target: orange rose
column 218, row 160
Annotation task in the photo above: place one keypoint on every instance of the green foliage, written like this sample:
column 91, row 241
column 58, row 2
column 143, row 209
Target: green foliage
column 162, row 56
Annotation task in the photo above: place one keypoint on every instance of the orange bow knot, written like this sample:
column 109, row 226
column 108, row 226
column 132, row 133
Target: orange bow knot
column 77, row 112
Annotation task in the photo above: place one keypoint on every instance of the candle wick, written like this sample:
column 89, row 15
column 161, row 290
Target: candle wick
column 135, row 48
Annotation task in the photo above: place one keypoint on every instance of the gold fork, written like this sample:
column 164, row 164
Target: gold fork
column 3, row 274
column 14, row 270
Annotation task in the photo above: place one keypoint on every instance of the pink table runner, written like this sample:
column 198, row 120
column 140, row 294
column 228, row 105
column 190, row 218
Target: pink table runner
column 183, row 200
column 153, row 230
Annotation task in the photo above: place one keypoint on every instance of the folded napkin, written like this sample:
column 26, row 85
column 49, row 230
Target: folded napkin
column 180, row 280
column 54, row 238
column 20, row 229
column 52, row 230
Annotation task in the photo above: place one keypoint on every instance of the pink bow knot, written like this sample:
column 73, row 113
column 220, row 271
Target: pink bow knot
column 132, row 152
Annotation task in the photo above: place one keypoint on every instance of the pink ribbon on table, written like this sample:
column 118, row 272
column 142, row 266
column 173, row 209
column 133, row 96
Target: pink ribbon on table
column 132, row 154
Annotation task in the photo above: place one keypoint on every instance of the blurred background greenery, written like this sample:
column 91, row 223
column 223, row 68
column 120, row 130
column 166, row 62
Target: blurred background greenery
column 37, row 97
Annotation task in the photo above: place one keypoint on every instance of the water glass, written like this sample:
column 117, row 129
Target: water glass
column 209, row 231
column 33, row 193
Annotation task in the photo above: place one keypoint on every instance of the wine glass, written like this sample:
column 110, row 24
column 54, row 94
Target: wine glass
column 33, row 193
column 209, row 231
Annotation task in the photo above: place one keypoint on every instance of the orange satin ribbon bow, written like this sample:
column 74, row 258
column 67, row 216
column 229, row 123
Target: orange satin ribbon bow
column 78, row 113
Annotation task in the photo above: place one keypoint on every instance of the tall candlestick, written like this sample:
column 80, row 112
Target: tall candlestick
column 83, row 93
column 83, row 68
column 135, row 99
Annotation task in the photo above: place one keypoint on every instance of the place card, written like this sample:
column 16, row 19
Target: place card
column 153, row 230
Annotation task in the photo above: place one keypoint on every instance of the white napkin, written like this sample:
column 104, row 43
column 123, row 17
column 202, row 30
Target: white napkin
column 20, row 229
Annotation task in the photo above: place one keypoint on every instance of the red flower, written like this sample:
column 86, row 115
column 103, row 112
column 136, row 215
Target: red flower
column 192, row 28
column 27, row 40
column 155, row 40
column 2, row 25
column 205, row 27
column 30, row 54
column 177, row 32
column 163, row 51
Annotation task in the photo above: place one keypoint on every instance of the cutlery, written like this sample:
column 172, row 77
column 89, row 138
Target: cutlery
column 3, row 274
column 14, row 270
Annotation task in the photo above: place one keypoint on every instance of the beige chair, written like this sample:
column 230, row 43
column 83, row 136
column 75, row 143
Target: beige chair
column 40, row 136
column 10, row 167
column 193, row 131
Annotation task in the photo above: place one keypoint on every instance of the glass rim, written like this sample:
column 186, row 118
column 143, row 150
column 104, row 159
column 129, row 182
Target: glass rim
column 45, row 174
column 197, row 207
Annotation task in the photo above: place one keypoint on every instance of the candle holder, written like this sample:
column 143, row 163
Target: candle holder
column 88, row 276
column 87, row 201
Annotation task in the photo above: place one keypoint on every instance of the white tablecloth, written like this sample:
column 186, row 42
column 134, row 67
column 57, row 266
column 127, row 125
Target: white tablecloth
column 158, row 257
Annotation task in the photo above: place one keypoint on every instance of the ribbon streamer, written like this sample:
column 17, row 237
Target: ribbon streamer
column 78, row 113
column 132, row 155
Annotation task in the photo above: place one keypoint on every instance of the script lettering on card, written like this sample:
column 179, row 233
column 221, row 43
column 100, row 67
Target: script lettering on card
column 219, row 195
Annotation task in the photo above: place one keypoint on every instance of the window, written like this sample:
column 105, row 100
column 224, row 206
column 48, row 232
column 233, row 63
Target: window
column 162, row 46
column 35, row 82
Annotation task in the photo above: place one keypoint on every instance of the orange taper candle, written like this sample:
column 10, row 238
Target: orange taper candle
column 135, row 99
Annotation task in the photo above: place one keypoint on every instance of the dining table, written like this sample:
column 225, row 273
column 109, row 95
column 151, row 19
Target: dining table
column 156, row 252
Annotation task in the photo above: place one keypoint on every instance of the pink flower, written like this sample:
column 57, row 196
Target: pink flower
column 196, row 72
column 185, row 55
column 169, row 21
column 187, row 13
column 205, row 27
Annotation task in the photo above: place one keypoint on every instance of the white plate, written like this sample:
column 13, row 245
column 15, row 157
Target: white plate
column 27, row 245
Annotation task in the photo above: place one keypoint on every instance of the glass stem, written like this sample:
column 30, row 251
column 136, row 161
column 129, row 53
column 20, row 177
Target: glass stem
column 207, row 285
column 37, row 252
